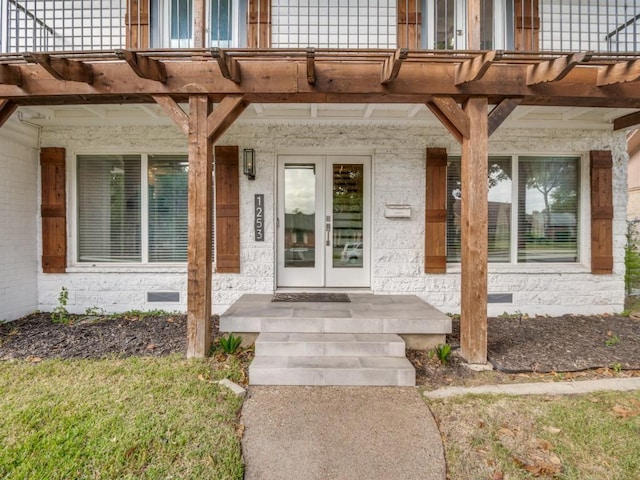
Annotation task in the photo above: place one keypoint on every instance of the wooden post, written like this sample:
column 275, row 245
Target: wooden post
column 199, row 261
column 473, row 321
column 473, row 24
column 199, row 24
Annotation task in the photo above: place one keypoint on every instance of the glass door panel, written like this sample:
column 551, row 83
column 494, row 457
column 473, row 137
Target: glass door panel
column 348, row 225
column 299, row 215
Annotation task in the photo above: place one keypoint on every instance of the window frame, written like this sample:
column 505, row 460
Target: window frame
column 75, row 265
column 583, row 216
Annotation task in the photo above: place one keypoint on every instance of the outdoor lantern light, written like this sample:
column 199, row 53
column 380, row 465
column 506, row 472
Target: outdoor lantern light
column 249, row 163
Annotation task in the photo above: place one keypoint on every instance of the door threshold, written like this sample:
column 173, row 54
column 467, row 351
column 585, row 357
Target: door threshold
column 323, row 290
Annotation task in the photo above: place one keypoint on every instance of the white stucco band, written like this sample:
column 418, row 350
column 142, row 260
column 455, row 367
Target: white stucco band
column 398, row 177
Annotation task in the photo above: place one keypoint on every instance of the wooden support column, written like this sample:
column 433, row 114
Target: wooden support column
column 474, row 213
column 199, row 23
column 473, row 24
column 199, row 261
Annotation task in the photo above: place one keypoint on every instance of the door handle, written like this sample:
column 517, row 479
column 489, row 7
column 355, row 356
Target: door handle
column 327, row 234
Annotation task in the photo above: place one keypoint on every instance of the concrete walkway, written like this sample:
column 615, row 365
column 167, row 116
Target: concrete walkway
column 340, row 433
column 542, row 388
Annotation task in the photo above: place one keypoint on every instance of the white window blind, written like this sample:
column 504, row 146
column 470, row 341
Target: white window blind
column 109, row 208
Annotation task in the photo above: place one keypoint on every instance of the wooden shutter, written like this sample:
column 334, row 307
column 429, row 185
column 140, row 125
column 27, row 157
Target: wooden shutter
column 53, row 210
column 137, row 23
column 259, row 24
column 227, row 188
column 601, row 212
column 527, row 25
column 435, row 227
column 409, row 24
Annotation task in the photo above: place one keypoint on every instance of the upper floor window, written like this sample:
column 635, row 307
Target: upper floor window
column 172, row 23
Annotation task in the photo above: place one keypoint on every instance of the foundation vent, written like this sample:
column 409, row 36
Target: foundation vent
column 500, row 298
column 163, row 297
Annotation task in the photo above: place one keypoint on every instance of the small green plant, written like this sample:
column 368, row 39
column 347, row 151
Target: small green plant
column 60, row 313
column 517, row 315
column 625, row 313
column 230, row 344
column 612, row 340
column 443, row 352
column 94, row 311
column 617, row 367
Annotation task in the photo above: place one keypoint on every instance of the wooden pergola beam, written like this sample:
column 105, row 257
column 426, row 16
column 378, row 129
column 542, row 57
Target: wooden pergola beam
column 10, row 75
column 451, row 116
column 227, row 111
column 556, row 69
column 391, row 66
column 475, row 68
column 500, row 113
column 144, row 66
column 229, row 66
column 311, row 66
column 7, row 107
column 622, row 72
column 63, row 68
column 626, row 121
column 173, row 111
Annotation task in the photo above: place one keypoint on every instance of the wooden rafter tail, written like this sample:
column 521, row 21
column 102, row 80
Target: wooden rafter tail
column 10, row 75
column 227, row 111
column 173, row 110
column 556, row 69
column 229, row 66
column 144, row 66
column 626, row 121
column 7, row 107
column 500, row 113
column 311, row 66
column 391, row 66
column 621, row 72
column 475, row 68
column 452, row 117
column 62, row 68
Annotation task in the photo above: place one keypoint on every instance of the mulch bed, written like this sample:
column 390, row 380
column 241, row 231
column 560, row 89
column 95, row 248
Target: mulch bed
column 37, row 337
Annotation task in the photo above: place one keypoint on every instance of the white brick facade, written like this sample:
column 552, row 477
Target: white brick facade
column 18, row 220
column 398, row 154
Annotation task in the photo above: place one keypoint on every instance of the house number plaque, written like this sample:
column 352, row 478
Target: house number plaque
column 258, row 224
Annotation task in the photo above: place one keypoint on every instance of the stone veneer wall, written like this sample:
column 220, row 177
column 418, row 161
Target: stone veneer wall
column 397, row 255
column 18, row 219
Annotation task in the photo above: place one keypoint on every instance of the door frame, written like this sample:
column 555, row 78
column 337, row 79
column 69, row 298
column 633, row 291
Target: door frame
column 323, row 189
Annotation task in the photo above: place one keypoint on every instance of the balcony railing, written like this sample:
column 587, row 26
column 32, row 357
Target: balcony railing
column 531, row 25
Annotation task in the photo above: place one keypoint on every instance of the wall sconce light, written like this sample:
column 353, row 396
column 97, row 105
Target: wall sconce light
column 249, row 163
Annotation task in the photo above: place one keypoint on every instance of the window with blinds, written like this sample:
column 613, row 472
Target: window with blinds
column 132, row 208
column 544, row 226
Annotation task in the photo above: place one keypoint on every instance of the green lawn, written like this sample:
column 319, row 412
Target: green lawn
column 119, row 418
column 586, row 437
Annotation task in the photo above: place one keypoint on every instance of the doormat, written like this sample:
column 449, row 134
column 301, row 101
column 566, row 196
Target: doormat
column 310, row 297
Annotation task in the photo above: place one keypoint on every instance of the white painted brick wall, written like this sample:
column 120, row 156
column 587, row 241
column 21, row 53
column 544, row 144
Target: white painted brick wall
column 398, row 251
column 18, row 210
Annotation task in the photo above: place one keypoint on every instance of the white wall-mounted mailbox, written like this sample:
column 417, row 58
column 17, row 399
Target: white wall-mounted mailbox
column 397, row 211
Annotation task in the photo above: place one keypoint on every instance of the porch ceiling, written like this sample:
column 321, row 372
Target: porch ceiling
column 321, row 76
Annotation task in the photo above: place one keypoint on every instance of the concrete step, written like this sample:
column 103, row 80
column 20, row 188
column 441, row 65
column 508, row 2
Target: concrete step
column 339, row 370
column 330, row 344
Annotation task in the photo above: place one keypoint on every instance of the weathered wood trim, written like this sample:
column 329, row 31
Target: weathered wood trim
column 473, row 24
column 144, row 66
column 451, row 116
column 621, row 72
column 229, row 66
column 500, row 113
column 601, row 212
column 199, row 23
column 556, row 69
column 474, row 249
column 10, row 75
column 311, row 66
column 53, row 210
column 199, row 255
column 391, row 66
column 137, row 24
column 227, row 174
column 227, row 111
column 62, row 68
column 435, row 231
column 475, row 68
column 173, row 110
column 626, row 121
column 7, row 107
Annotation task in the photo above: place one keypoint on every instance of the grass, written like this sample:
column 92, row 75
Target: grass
column 595, row 436
column 118, row 418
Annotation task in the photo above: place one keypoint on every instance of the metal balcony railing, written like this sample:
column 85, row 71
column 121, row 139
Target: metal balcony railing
column 530, row 25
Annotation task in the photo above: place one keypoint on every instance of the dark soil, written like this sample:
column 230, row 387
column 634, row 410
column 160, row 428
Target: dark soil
column 37, row 337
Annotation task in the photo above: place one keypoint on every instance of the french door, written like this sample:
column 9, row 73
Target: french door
column 323, row 221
